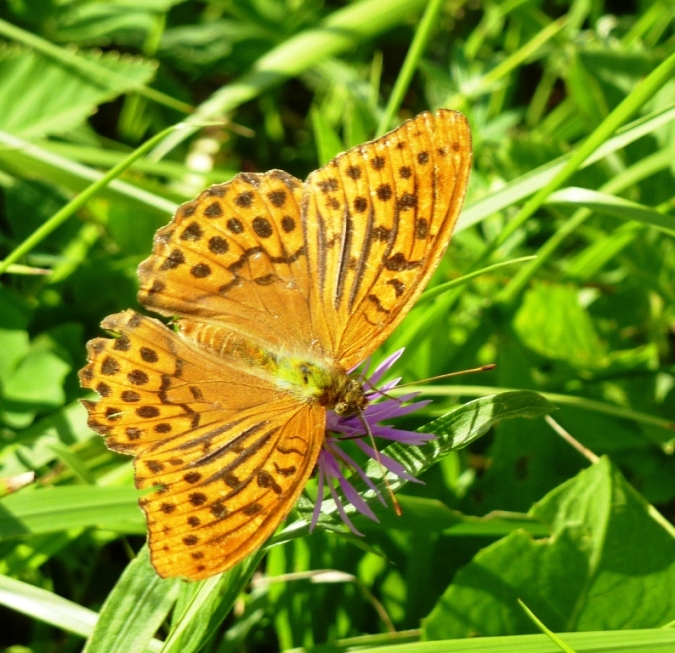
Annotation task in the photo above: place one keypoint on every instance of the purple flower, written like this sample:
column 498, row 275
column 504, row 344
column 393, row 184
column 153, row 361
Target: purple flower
column 334, row 461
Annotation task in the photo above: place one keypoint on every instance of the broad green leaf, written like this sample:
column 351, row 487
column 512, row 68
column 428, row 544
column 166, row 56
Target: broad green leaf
column 455, row 430
column 64, row 98
column 35, row 384
column 552, row 322
column 14, row 340
column 550, row 634
column 32, row 449
column 607, row 565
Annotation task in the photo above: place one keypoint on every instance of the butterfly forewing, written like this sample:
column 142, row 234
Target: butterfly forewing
column 228, row 452
column 236, row 257
column 379, row 219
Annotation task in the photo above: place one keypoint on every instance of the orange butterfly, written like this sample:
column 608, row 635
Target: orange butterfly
column 280, row 288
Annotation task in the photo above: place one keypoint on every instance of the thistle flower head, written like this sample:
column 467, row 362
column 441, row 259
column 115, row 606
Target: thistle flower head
column 334, row 461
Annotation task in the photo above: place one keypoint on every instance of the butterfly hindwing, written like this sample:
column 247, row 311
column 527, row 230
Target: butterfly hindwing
column 228, row 452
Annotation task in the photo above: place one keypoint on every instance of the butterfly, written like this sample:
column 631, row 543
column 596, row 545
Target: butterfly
column 278, row 288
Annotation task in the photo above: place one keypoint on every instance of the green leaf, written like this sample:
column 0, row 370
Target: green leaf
column 32, row 449
column 607, row 565
column 328, row 143
column 54, row 509
column 14, row 342
column 340, row 31
column 551, row 635
column 617, row 207
column 207, row 604
column 529, row 183
column 621, row 641
column 552, row 322
column 454, row 430
column 134, row 610
column 422, row 515
column 35, row 384
column 24, row 159
column 46, row 606
column 64, row 98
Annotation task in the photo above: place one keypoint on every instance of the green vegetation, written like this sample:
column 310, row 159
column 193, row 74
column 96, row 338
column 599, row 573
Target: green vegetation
column 542, row 534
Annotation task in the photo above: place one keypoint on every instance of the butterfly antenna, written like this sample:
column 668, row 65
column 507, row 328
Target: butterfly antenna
column 368, row 382
column 482, row 368
column 394, row 500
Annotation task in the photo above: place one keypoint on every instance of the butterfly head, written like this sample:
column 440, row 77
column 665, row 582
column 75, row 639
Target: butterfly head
column 352, row 399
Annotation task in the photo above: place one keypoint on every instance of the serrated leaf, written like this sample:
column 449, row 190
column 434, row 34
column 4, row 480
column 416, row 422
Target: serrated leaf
column 40, row 96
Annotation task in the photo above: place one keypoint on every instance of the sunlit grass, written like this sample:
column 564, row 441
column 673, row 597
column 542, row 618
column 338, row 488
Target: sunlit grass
column 562, row 272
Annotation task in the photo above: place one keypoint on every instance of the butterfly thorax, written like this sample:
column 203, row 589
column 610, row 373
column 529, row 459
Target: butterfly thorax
column 310, row 379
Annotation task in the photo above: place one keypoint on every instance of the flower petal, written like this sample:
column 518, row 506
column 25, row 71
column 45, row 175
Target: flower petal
column 359, row 470
column 341, row 510
column 319, row 492
column 384, row 366
column 356, row 499
column 388, row 462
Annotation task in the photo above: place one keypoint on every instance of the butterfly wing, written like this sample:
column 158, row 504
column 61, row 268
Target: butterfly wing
column 236, row 258
column 378, row 219
column 228, row 452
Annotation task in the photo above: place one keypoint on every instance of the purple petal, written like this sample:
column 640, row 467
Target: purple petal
column 411, row 395
column 319, row 495
column 384, row 366
column 341, row 510
column 356, row 500
column 331, row 465
column 357, row 468
column 404, row 437
column 387, row 462
column 391, row 408
column 366, row 367
column 377, row 393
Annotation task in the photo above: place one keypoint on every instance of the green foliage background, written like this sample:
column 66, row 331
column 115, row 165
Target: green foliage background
column 572, row 107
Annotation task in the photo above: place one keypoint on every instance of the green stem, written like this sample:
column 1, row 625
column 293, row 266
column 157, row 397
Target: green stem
column 626, row 109
column 342, row 30
column 465, row 278
column 80, row 200
column 412, row 59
